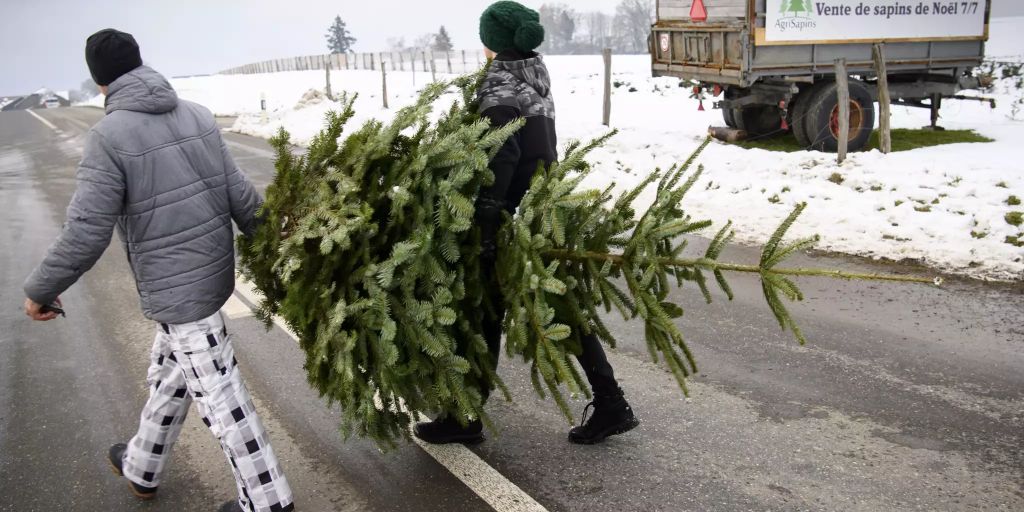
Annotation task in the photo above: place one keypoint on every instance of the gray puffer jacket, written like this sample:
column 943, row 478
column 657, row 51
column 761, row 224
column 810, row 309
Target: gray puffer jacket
column 156, row 168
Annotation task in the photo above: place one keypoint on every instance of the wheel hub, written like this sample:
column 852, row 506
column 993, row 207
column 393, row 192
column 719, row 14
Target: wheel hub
column 856, row 120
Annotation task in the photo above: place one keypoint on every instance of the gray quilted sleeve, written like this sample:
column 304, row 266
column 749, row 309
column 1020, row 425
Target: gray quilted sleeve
column 94, row 210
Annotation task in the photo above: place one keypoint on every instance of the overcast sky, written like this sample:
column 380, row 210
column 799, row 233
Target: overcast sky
column 42, row 42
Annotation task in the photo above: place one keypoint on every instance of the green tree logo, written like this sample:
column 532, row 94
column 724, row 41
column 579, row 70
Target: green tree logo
column 797, row 7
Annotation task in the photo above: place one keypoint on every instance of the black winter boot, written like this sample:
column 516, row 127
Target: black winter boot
column 612, row 416
column 116, row 459
column 448, row 430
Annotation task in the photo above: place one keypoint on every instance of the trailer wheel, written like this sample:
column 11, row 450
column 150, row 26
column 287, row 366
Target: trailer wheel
column 729, row 114
column 760, row 120
column 823, row 118
column 798, row 113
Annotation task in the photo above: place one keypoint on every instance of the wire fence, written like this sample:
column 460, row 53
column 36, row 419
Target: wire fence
column 456, row 61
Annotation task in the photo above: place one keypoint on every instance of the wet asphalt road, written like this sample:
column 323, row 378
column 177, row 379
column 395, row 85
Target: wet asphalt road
column 906, row 397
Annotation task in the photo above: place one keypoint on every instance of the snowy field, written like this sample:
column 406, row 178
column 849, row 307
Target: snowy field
column 942, row 206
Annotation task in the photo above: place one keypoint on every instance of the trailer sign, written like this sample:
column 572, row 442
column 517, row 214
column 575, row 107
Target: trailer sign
column 838, row 21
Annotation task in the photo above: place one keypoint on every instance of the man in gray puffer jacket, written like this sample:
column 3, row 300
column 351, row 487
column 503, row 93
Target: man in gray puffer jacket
column 156, row 169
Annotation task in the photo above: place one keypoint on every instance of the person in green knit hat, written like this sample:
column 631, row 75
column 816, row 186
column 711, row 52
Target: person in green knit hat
column 517, row 85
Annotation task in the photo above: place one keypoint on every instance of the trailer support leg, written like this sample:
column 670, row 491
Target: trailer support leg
column 935, row 106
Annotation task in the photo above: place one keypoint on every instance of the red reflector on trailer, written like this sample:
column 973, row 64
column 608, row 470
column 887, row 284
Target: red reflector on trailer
column 698, row 12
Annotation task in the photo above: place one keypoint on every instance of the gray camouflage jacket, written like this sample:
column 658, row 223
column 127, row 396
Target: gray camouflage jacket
column 155, row 168
column 516, row 86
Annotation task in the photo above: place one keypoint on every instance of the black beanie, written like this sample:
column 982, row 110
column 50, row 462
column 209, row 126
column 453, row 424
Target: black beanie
column 110, row 54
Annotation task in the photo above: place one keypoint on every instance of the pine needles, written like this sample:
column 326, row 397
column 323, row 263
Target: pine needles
column 369, row 253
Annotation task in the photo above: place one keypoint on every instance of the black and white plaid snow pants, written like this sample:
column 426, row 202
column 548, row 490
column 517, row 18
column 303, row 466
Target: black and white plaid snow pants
column 196, row 362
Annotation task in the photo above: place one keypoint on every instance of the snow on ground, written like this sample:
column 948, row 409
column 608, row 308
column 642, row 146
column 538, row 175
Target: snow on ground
column 943, row 206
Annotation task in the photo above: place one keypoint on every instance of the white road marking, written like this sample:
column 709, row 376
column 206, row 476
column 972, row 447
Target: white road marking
column 490, row 485
column 235, row 308
column 81, row 124
column 44, row 121
column 249, row 292
column 265, row 153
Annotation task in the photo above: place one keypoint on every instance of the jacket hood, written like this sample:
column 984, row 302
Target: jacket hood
column 532, row 71
column 141, row 90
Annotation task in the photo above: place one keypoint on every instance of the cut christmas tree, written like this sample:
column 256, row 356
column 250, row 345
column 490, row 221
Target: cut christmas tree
column 369, row 252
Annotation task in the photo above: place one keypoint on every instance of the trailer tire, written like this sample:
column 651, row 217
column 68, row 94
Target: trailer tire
column 822, row 118
column 730, row 119
column 759, row 120
column 729, row 114
column 798, row 114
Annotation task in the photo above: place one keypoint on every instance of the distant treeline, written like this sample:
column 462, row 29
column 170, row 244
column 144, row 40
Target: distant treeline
column 568, row 31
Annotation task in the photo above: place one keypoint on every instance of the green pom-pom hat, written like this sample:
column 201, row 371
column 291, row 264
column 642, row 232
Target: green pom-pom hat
column 508, row 25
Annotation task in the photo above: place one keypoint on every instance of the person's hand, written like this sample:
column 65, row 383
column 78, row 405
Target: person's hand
column 35, row 311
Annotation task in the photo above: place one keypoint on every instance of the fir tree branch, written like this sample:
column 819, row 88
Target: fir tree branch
column 582, row 256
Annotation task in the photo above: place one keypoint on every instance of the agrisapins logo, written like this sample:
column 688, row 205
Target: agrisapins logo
column 795, row 15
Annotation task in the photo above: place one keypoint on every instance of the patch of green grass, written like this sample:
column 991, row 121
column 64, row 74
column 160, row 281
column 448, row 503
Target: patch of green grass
column 1013, row 201
column 1017, row 241
column 902, row 140
column 837, row 178
column 1002, row 184
column 774, row 199
column 1014, row 218
column 923, row 209
column 898, row 202
column 979, row 234
column 876, row 188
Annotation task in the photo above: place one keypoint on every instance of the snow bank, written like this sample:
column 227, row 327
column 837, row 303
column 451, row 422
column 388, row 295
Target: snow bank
column 944, row 206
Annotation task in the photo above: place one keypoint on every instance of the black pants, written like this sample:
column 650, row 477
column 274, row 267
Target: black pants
column 592, row 358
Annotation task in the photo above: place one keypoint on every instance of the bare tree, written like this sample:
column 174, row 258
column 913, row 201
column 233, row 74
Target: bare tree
column 559, row 23
column 423, row 42
column 397, row 44
column 633, row 19
column 596, row 30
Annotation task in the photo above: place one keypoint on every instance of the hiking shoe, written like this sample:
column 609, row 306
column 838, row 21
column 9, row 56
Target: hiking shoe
column 449, row 430
column 612, row 416
column 233, row 506
column 116, row 460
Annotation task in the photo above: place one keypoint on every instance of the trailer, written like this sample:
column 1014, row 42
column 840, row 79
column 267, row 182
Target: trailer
column 773, row 61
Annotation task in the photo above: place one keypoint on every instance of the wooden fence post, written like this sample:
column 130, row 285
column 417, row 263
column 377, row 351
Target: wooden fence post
column 607, row 110
column 885, row 135
column 401, row 62
column 424, row 61
column 465, row 67
column 433, row 67
column 448, row 57
column 384, row 83
column 843, row 91
column 327, row 71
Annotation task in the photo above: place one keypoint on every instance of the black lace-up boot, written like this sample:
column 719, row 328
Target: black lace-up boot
column 448, row 430
column 612, row 415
